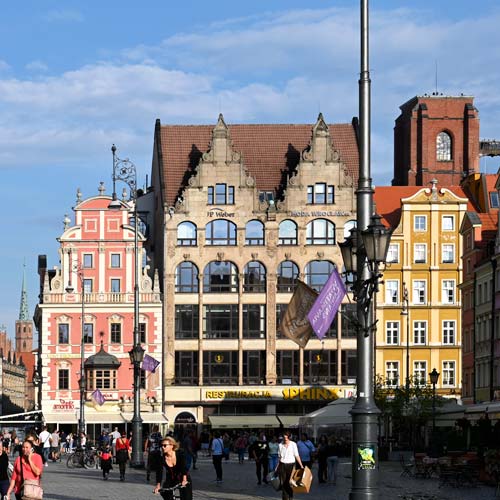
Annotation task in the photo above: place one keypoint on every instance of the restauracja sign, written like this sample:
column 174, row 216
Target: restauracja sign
column 292, row 393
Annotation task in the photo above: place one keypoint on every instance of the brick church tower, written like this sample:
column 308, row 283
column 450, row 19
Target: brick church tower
column 24, row 325
column 436, row 137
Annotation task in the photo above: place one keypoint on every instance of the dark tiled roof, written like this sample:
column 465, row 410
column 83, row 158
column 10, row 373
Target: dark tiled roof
column 269, row 152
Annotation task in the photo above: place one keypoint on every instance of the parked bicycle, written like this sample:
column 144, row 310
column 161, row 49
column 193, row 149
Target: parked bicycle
column 86, row 458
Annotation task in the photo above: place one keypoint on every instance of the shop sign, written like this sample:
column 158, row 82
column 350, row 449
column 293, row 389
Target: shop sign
column 64, row 406
column 310, row 393
column 292, row 393
column 320, row 213
column 238, row 394
column 220, row 213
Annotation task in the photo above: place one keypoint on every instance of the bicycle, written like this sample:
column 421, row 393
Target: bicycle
column 176, row 491
column 82, row 458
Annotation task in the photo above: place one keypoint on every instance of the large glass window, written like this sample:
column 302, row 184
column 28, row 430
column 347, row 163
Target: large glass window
column 254, row 321
column 115, row 285
column 116, row 333
column 443, row 147
column 419, row 291
column 287, row 276
column 220, row 321
column 220, row 277
column 220, row 232
column 448, row 253
column 101, row 379
column 221, row 194
column 393, row 253
column 392, row 373
column 186, row 234
column 186, row 278
column 320, row 232
column 88, row 333
column 254, row 367
column 420, row 223
column 115, row 260
column 317, row 273
column 419, row 372
column 186, row 367
column 448, row 291
column 420, row 253
column 392, row 291
column 349, row 319
column 254, row 233
column 349, row 365
column 63, row 333
column 392, row 332
column 254, row 277
column 88, row 285
column 320, row 367
column 63, row 379
column 187, row 325
column 287, row 367
column 448, row 222
column 287, row 234
column 449, row 332
column 420, row 332
column 220, row 367
column 88, row 260
column 320, row 193
column 448, row 373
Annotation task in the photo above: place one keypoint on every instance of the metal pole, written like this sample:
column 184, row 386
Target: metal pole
column 81, row 423
column 406, row 312
column 113, row 150
column 433, row 410
column 364, row 412
column 137, row 456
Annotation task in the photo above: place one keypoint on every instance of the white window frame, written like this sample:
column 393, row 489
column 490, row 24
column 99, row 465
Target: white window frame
column 392, row 329
column 448, row 219
column 419, row 332
column 393, row 253
column 420, row 222
column 448, row 291
column 419, row 291
column 449, row 372
column 449, row 330
column 420, row 253
column 448, row 248
column 420, row 372
column 392, row 291
column 392, row 373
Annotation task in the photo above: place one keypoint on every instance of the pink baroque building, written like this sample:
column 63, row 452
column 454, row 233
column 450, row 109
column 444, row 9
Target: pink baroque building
column 96, row 257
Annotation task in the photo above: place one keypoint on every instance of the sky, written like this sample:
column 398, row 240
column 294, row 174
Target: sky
column 76, row 77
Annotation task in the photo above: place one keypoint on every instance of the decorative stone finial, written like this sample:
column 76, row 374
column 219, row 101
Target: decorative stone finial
column 66, row 221
column 101, row 188
column 434, row 192
column 78, row 195
column 124, row 194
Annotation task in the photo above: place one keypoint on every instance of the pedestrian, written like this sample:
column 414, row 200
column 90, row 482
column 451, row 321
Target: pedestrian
column 4, row 467
column 226, row 439
column 196, row 447
column 54, row 446
column 288, row 455
column 14, row 446
column 306, row 450
column 259, row 451
column 187, row 446
column 27, row 466
column 274, row 447
column 45, row 439
column 173, row 462
column 122, row 454
column 115, row 435
column 241, row 445
column 153, row 450
column 217, row 449
column 205, row 441
column 332, row 460
column 106, row 461
column 323, row 450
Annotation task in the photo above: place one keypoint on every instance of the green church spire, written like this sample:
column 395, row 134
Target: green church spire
column 23, row 310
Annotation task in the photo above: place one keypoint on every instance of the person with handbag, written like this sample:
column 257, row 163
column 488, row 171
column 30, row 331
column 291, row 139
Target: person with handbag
column 288, row 455
column 4, row 467
column 173, row 463
column 122, row 454
column 25, row 480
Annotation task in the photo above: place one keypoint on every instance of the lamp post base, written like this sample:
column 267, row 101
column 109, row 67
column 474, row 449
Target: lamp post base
column 137, row 460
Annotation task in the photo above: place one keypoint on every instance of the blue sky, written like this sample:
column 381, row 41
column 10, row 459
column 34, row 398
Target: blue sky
column 77, row 76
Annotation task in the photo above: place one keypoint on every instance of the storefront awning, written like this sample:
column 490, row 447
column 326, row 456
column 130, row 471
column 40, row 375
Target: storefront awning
column 59, row 418
column 147, row 418
column 243, row 421
column 289, row 420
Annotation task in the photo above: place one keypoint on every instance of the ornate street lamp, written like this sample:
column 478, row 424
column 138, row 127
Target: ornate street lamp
column 365, row 255
column 81, row 383
column 125, row 171
column 434, row 376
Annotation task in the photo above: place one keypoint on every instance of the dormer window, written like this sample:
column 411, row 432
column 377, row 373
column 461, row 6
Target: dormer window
column 320, row 194
column 221, row 194
column 494, row 202
column 443, row 147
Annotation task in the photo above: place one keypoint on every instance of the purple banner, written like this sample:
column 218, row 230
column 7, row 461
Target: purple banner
column 149, row 363
column 327, row 304
column 98, row 397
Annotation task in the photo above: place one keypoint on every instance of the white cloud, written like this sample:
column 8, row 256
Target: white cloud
column 64, row 15
column 37, row 66
column 4, row 66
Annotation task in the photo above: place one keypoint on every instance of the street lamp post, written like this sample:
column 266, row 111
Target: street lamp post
column 81, row 382
column 363, row 256
column 434, row 376
column 405, row 311
column 125, row 171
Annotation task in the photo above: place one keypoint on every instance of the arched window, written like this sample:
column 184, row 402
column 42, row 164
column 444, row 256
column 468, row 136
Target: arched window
column 320, row 232
column 254, row 233
column 443, row 147
column 186, row 234
column 186, row 278
column 287, row 274
column 288, row 232
column 317, row 273
column 254, row 277
column 220, row 277
column 220, row 232
column 350, row 224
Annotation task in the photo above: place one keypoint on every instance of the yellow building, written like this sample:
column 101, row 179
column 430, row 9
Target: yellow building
column 418, row 306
